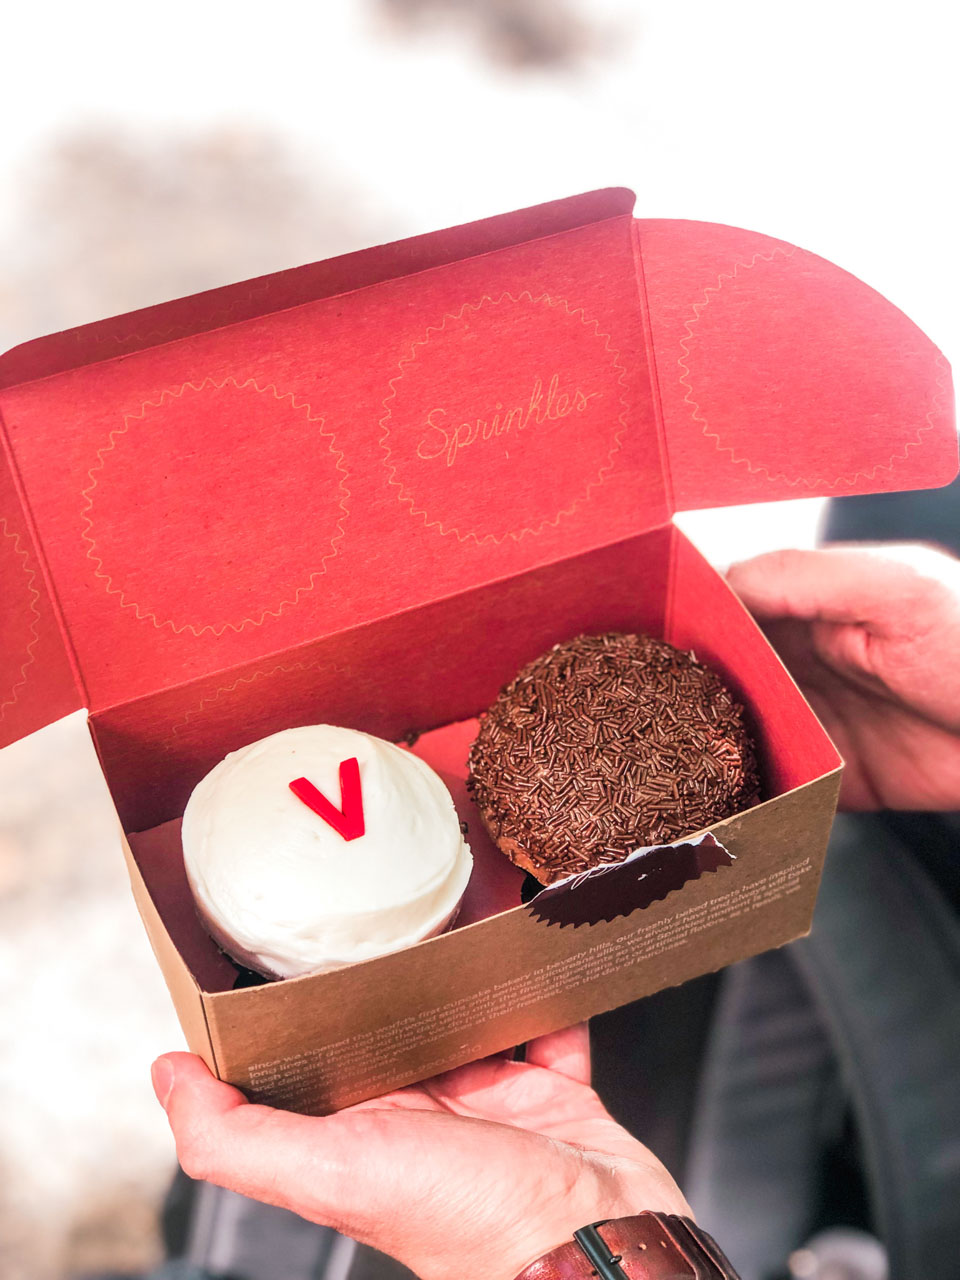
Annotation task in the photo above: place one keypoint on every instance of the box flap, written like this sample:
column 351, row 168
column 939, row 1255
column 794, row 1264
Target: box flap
column 37, row 685
column 781, row 376
column 225, row 478
column 229, row 477
column 248, row 299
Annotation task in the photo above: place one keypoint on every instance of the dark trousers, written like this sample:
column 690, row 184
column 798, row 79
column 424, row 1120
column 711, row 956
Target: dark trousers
column 823, row 1086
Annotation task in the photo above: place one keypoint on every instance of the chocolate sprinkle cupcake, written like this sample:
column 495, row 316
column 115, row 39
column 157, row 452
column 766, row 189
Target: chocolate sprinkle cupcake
column 603, row 745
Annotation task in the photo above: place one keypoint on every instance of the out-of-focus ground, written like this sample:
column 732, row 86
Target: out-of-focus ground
column 146, row 157
column 110, row 221
column 82, row 1158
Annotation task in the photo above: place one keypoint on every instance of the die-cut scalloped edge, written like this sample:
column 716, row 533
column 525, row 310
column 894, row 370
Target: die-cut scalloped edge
column 709, row 847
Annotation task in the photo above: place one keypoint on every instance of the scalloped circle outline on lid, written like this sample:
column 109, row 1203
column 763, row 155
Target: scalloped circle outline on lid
column 854, row 358
column 781, row 375
column 19, row 620
column 210, row 578
column 427, row 433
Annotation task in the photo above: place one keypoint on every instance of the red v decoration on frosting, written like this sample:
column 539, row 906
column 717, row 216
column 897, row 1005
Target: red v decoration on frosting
column 348, row 819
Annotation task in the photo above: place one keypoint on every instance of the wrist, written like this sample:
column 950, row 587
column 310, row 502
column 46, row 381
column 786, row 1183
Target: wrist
column 642, row 1246
column 599, row 1193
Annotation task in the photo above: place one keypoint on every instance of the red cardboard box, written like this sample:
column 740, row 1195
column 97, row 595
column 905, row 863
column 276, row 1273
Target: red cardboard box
column 365, row 492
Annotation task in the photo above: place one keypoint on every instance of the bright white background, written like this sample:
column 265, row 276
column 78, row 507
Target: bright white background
column 831, row 125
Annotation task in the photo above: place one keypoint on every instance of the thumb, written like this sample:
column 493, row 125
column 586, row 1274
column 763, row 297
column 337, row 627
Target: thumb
column 298, row 1162
column 881, row 585
column 189, row 1074
column 192, row 1097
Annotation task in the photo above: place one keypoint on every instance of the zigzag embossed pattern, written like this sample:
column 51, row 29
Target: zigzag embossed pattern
column 221, row 706
column 453, row 447
column 19, row 618
column 197, row 551
column 793, row 360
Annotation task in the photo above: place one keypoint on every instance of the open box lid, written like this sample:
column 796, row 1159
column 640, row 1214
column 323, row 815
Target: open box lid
column 782, row 376
column 193, row 486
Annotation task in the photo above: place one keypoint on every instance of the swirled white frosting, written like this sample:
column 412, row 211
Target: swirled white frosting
column 283, row 892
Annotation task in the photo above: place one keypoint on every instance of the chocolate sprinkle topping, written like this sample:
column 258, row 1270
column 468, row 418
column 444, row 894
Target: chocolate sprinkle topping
column 603, row 745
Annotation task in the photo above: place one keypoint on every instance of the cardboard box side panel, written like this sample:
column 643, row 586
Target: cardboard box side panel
column 158, row 857
column 703, row 613
column 482, row 989
column 782, row 376
column 183, row 990
column 37, row 683
column 422, row 668
column 168, row 321
column 248, row 490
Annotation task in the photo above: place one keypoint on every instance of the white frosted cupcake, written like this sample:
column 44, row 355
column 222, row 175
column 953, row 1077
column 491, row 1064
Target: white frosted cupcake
column 362, row 856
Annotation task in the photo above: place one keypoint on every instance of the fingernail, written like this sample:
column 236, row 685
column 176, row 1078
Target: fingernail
column 161, row 1073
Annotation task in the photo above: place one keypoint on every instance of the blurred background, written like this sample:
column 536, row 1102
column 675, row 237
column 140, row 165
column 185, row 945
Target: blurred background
column 147, row 152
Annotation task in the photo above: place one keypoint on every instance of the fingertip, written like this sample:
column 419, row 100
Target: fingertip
column 185, row 1086
column 741, row 576
column 804, row 584
column 186, row 1064
column 567, row 1052
column 162, row 1076
column 171, row 1069
column 757, row 578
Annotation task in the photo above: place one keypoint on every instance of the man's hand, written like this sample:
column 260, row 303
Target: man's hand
column 872, row 636
column 477, row 1172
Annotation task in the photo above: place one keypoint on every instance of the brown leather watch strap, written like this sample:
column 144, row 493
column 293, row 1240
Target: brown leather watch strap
column 647, row 1246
